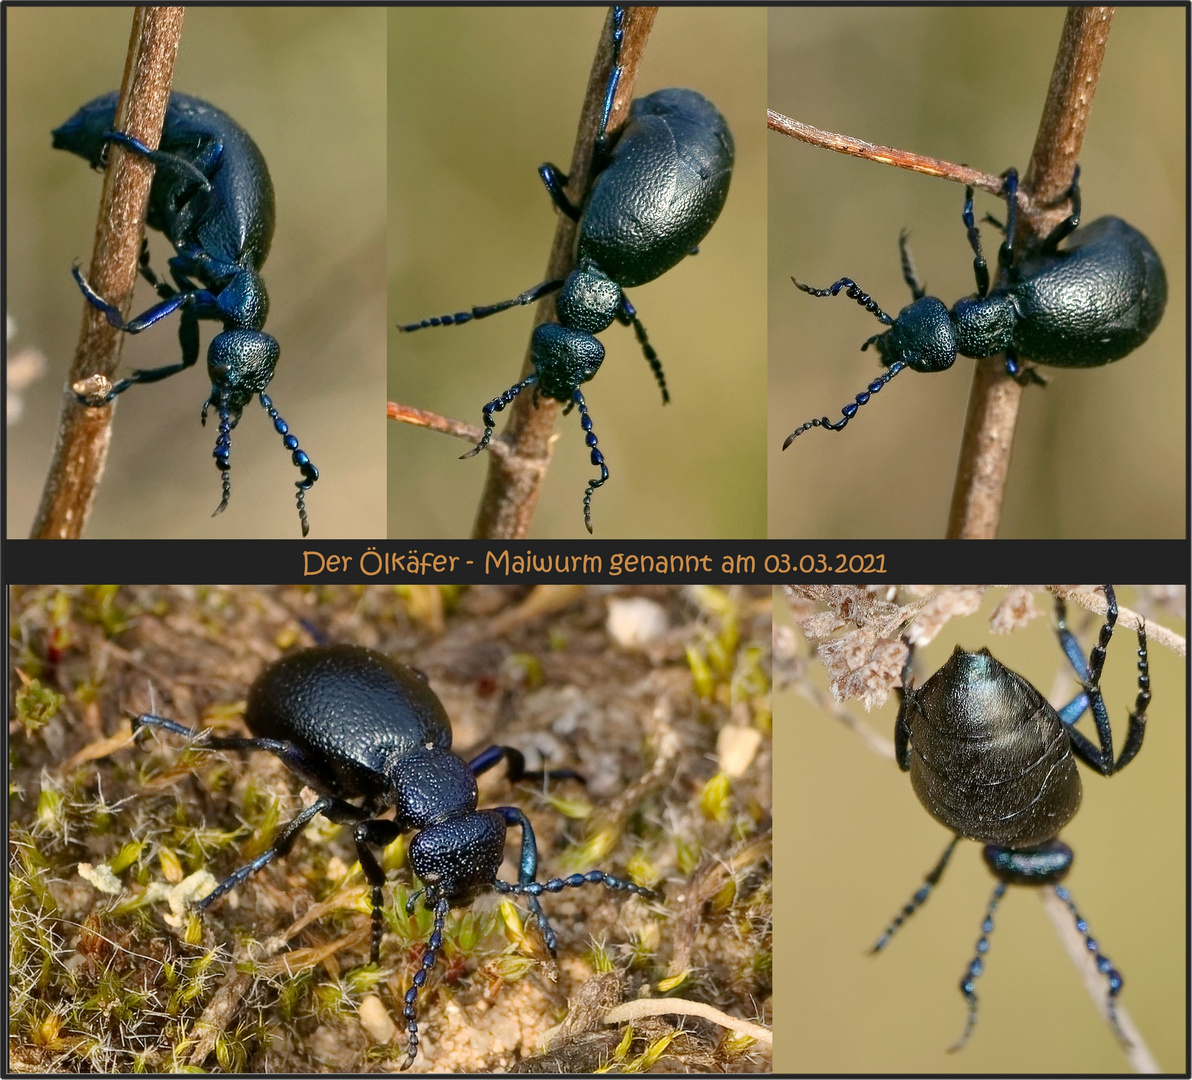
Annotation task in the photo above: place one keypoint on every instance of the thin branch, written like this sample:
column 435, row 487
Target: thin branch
column 995, row 396
column 883, row 155
column 514, row 478
column 424, row 418
column 83, row 432
column 642, row 1007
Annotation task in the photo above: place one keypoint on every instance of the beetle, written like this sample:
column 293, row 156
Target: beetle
column 659, row 184
column 991, row 760
column 1089, row 304
column 212, row 198
column 354, row 724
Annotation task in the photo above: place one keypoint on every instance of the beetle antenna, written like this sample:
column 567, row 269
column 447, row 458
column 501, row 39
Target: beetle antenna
column 433, row 945
column 850, row 410
column 976, row 966
column 223, row 448
column 585, row 422
column 574, row 881
column 919, row 899
column 1112, row 975
column 298, row 456
column 853, row 291
column 496, row 405
column 484, row 311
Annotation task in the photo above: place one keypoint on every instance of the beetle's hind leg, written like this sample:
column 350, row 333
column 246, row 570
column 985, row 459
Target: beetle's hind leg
column 1100, row 757
column 627, row 315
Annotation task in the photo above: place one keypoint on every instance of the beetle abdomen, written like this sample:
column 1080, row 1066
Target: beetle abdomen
column 325, row 698
column 1093, row 302
column 990, row 759
column 663, row 188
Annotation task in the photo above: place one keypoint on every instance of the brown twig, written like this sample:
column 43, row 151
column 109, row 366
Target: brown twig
column 994, row 399
column 83, row 432
column 884, row 155
column 514, row 478
column 424, row 418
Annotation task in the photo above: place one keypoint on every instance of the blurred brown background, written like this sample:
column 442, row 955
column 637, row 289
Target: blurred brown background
column 309, row 86
column 478, row 99
column 856, row 845
column 1100, row 452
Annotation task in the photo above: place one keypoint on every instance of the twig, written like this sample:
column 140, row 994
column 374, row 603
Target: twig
column 83, row 432
column 995, row 396
column 511, row 489
column 884, row 155
column 641, row 1007
column 1094, row 600
column 408, row 414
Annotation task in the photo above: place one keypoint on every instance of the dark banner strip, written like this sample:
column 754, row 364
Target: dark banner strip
column 465, row 562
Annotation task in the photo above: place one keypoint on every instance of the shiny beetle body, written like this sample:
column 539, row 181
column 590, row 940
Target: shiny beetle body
column 659, row 185
column 354, row 724
column 992, row 761
column 212, row 198
column 1088, row 304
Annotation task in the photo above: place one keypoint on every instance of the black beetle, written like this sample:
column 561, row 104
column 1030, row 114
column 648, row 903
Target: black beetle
column 352, row 723
column 1090, row 304
column 659, row 185
column 990, row 759
column 213, row 200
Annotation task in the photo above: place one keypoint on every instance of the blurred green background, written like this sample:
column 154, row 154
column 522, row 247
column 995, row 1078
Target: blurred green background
column 309, row 86
column 1100, row 452
column 477, row 100
column 856, row 844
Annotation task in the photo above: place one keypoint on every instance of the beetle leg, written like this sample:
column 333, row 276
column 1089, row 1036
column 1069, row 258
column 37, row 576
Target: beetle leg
column 1070, row 223
column 980, row 267
column 850, row 410
column 919, row 899
column 198, row 297
column 1022, row 374
column 617, row 17
column 526, row 873
column 496, row 405
column 516, row 763
column 377, row 833
column 281, row 846
column 1089, row 674
column 585, row 421
column 976, row 966
column 628, row 317
column 1112, row 975
column 159, row 159
column 528, row 297
column 917, row 287
column 1005, row 254
column 902, row 730
column 555, row 181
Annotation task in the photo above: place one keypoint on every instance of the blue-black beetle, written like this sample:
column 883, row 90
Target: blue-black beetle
column 213, row 200
column 354, row 724
column 991, row 760
column 659, row 185
column 1091, row 303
